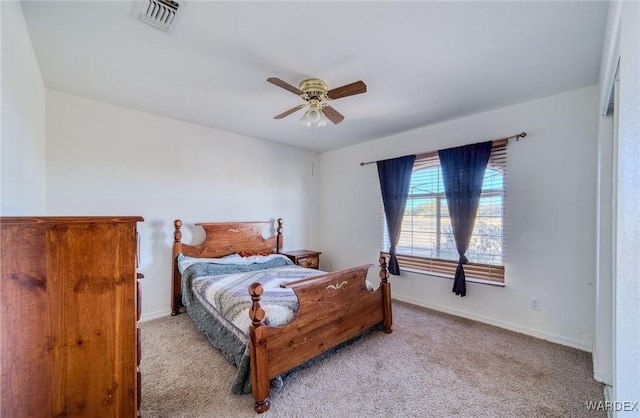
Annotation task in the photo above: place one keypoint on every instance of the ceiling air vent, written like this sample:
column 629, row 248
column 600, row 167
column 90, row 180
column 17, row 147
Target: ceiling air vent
column 159, row 13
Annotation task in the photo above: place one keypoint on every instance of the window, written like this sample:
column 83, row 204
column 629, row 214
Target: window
column 426, row 240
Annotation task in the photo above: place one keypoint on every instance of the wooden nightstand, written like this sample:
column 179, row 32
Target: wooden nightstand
column 304, row 258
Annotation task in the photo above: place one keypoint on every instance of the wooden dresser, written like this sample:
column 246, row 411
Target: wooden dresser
column 69, row 300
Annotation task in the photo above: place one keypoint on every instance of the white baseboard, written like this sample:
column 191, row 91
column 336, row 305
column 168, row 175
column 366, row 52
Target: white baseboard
column 154, row 315
column 554, row 338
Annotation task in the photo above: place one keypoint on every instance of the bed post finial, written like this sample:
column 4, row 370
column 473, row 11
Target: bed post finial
column 386, row 295
column 384, row 274
column 258, row 348
column 177, row 234
column 279, row 236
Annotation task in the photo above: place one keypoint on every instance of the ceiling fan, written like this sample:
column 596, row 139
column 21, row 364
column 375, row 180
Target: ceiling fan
column 317, row 96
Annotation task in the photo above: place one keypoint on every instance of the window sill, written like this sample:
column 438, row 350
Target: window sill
column 475, row 272
column 450, row 277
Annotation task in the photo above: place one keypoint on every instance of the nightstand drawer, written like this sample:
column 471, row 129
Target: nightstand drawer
column 309, row 262
column 305, row 258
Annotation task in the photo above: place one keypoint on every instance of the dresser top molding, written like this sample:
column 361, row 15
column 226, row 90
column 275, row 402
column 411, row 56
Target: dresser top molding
column 68, row 219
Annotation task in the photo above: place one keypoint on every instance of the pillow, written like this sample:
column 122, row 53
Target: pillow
column 184, row 261
column 252, row 253
column 212, row 269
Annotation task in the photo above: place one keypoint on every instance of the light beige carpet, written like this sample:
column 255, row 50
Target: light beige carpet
column 432, row 365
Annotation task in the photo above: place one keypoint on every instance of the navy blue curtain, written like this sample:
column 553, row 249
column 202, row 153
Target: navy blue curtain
column 395, row 178
column 462, row 173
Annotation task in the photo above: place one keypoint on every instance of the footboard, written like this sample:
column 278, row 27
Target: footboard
column 332, row 308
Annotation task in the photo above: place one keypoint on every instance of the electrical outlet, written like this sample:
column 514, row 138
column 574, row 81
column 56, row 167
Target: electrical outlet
column 330, row 263
column 535, row 304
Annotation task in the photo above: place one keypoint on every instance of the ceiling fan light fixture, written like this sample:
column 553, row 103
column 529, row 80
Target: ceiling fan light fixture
column 305, row 122
column 313, row 116
column 310, row 118
column 323, row 120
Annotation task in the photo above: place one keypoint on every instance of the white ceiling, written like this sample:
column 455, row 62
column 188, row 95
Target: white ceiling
column 423, row 62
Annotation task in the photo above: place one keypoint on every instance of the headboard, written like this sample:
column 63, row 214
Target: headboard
column 221, row 238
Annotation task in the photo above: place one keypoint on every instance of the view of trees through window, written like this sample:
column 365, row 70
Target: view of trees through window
column 426, row 227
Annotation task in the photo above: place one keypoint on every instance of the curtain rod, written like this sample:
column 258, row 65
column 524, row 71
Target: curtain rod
column 506, row 138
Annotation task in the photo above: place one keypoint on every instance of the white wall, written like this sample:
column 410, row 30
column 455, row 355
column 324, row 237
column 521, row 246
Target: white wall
column 108, row 160
column 550, row 237
column 22, row 140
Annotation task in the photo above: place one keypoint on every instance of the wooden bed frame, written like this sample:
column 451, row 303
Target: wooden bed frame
column 332, row 308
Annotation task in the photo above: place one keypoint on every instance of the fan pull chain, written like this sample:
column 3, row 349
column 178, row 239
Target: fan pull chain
column 313, row 132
